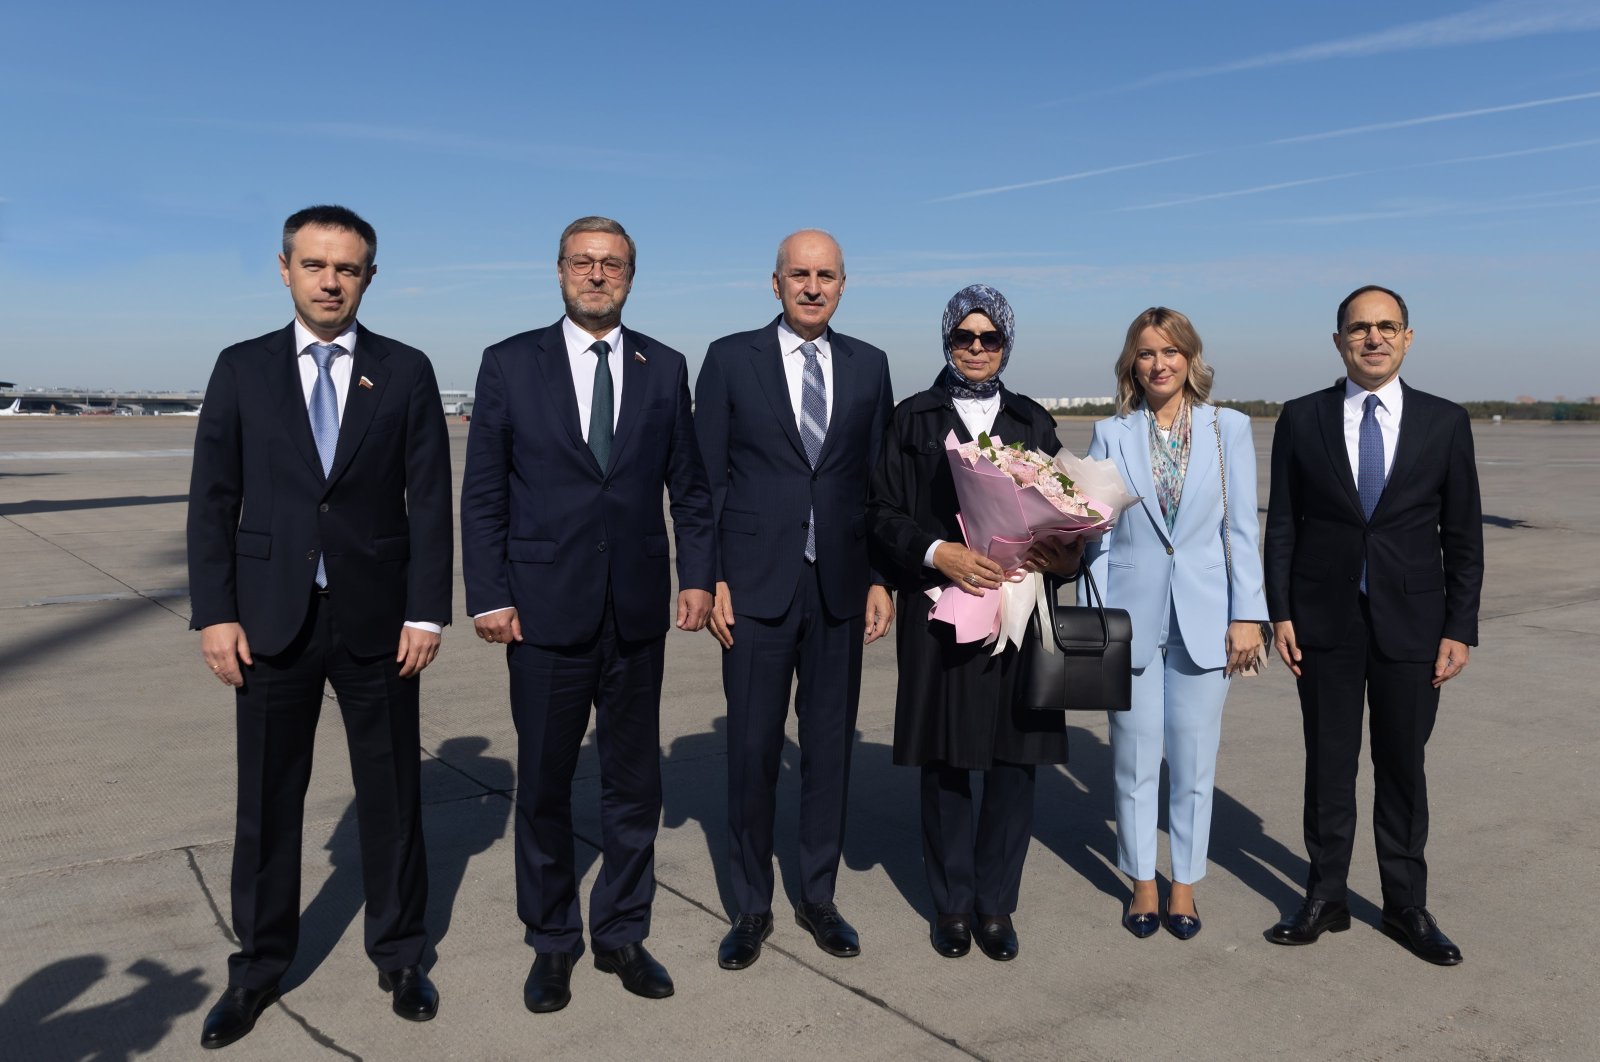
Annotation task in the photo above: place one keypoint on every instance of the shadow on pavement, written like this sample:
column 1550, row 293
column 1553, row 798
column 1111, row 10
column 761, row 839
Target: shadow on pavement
column 37, row 1026
column 67, row 505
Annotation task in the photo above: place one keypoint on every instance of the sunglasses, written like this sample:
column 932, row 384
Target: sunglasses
column 961, row 339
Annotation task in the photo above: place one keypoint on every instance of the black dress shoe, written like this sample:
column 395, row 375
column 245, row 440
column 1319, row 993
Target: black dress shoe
column 996, row 938
column 1314, row 918
column 640, row 972
column 1182, row 926
column 549, row 983
column 952, row 935
column 742, row 944
column 235, row 1014
column 1416, row 929
column 1141, row 925
column 832, row 933
column 415, row 998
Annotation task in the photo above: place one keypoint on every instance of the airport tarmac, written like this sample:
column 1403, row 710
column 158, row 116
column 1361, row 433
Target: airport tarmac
column 116, row 820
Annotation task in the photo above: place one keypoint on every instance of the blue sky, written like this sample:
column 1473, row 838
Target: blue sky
column 1245, row 162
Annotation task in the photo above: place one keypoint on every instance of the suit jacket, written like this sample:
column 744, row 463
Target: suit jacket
column 261, row 510
column 1423, row 549
column 764, row 489
column 545, row 530
column 1142, row 567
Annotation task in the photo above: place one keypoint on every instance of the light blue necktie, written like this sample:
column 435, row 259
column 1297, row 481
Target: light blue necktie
column 1369, row 474
column 324, row 412
column 813, row 427
column 601, row 405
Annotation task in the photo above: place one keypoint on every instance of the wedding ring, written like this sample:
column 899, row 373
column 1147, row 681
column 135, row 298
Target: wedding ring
column 972, row 580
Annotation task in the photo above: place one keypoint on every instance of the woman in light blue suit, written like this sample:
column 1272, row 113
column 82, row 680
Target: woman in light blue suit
column 1167, row 563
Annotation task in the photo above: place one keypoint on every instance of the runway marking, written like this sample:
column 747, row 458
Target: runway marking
column 87, row 455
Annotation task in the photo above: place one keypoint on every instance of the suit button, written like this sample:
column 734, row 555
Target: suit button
column 606, row 489
column 804, row 524
column 602, row 547
column 311, row 554
column 813, row 477
column 322, row 508
column 1169, row 551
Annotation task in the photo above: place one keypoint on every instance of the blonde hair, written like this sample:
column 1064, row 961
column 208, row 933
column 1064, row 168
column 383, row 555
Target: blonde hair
column 1180, row 333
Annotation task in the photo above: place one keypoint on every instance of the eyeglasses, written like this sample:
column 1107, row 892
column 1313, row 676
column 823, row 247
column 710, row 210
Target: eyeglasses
column 961, row 339
column 583, row 265
column 1386, row 329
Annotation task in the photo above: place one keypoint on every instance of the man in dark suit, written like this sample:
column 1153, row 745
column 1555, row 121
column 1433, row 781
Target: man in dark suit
column 320, row 552
column 789, row 419
column 576, row 429
column 1374, row 563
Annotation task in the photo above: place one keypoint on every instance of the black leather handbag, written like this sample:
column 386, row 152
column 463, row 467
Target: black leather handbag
column 1091, row 669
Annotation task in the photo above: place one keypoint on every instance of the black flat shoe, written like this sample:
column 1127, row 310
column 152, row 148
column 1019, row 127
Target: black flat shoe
column 996, row 938
column 828, row 928
column 1182, row 926
column 1141, row 925
column 235, row 1014
column 952, row 935
column 741, row 946
column 641, row 974
column 415, row 998
column 549, row 984
column 1314, row 918
column 1416, row 929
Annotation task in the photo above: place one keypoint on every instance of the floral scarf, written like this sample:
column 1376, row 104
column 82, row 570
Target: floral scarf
column 1169, row 461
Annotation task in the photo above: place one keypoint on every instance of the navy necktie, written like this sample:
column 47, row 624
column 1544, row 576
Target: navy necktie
column 601, row 405
column 324, row 412
column 1369, row 473
column 813, row 427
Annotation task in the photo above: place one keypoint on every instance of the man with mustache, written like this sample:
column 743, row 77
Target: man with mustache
column 577, row 428
column 789, row 419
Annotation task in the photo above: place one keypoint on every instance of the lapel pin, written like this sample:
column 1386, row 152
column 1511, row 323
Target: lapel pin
column 639, row 358
column 366, row 383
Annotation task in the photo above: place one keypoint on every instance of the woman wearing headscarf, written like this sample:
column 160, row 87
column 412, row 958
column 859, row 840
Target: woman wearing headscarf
column 1191, row 582
column 953, row 710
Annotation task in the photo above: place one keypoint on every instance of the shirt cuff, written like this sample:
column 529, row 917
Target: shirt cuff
column 424, row 625
column 492, row 611
column 927, row 558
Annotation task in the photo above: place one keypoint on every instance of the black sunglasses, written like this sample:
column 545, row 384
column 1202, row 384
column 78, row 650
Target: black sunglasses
column 961, row 339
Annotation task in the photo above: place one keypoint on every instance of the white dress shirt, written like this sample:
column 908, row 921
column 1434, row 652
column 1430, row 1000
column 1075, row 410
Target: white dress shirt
column 1390, row 398
column 339, row 369
column 794, row 367
column 978, row 415
column 582, row 362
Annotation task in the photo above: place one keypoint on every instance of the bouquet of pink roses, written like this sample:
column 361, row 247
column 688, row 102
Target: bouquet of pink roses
column 1012, row 497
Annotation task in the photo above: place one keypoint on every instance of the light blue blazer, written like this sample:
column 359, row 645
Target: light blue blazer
column 1143, row 569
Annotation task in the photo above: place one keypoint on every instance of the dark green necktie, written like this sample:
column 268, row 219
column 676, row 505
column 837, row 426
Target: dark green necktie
column 600, row 405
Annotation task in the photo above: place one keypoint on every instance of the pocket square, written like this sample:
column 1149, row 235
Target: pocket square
column 366, row 383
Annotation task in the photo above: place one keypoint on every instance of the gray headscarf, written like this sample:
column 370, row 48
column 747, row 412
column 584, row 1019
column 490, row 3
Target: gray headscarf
column 976, row 298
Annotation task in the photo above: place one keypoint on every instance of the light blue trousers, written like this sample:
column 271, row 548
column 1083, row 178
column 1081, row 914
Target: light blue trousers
column 1177, row 705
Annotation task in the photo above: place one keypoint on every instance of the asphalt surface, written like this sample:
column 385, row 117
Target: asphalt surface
column 116, row 820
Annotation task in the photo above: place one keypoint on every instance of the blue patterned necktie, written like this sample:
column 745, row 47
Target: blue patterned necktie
column 600, row 405
column 1369, row 474
column 813, row 427
column 324, row 412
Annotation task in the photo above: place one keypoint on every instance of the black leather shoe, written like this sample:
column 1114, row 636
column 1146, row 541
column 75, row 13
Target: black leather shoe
column 1141, row 925
column 996, row 938
column 1182, row 926
column 832, row 933
column 1314, row 918
column 549, row 983
column 952, row 935
column 640, row 972
column 415, row 998
column 742, row 944
column 1416, row 929
column 235, row 1014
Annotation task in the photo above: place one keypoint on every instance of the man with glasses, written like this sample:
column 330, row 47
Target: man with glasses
column 789, row 418
column 1374, row 563
column 565, row 556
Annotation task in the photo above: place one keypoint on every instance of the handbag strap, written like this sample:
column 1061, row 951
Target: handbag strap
column 1222, row 469
column 1053, row 586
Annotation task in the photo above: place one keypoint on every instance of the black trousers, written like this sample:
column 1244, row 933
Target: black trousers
column 976, row 869
column 822, row 656
column 277, row 710
column 552, row 689
column 1403, row 704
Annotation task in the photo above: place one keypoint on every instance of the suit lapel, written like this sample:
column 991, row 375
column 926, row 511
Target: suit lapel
column 287, row 395
column 554, row 373
column 845, row 387
column 1409, row 446
column 1330, row 419
column 1202, row 470
column 766, row 359
column 1135, row 446
column 635, row 377
column 360, row 402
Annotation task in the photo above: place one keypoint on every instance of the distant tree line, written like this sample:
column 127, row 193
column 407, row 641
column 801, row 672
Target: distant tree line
column 1260, row 407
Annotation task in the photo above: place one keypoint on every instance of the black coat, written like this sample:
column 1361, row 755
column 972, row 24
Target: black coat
column 954, row 700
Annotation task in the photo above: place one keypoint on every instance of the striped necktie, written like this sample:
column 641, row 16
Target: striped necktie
column 324, row 412
column 1369, row 474
column 813, row 427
